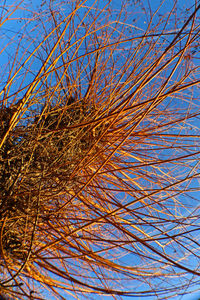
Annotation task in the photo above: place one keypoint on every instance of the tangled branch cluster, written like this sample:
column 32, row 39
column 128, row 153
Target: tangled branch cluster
column 36, row 161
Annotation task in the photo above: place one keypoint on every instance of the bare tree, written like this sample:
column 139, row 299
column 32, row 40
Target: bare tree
column 99, row 151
